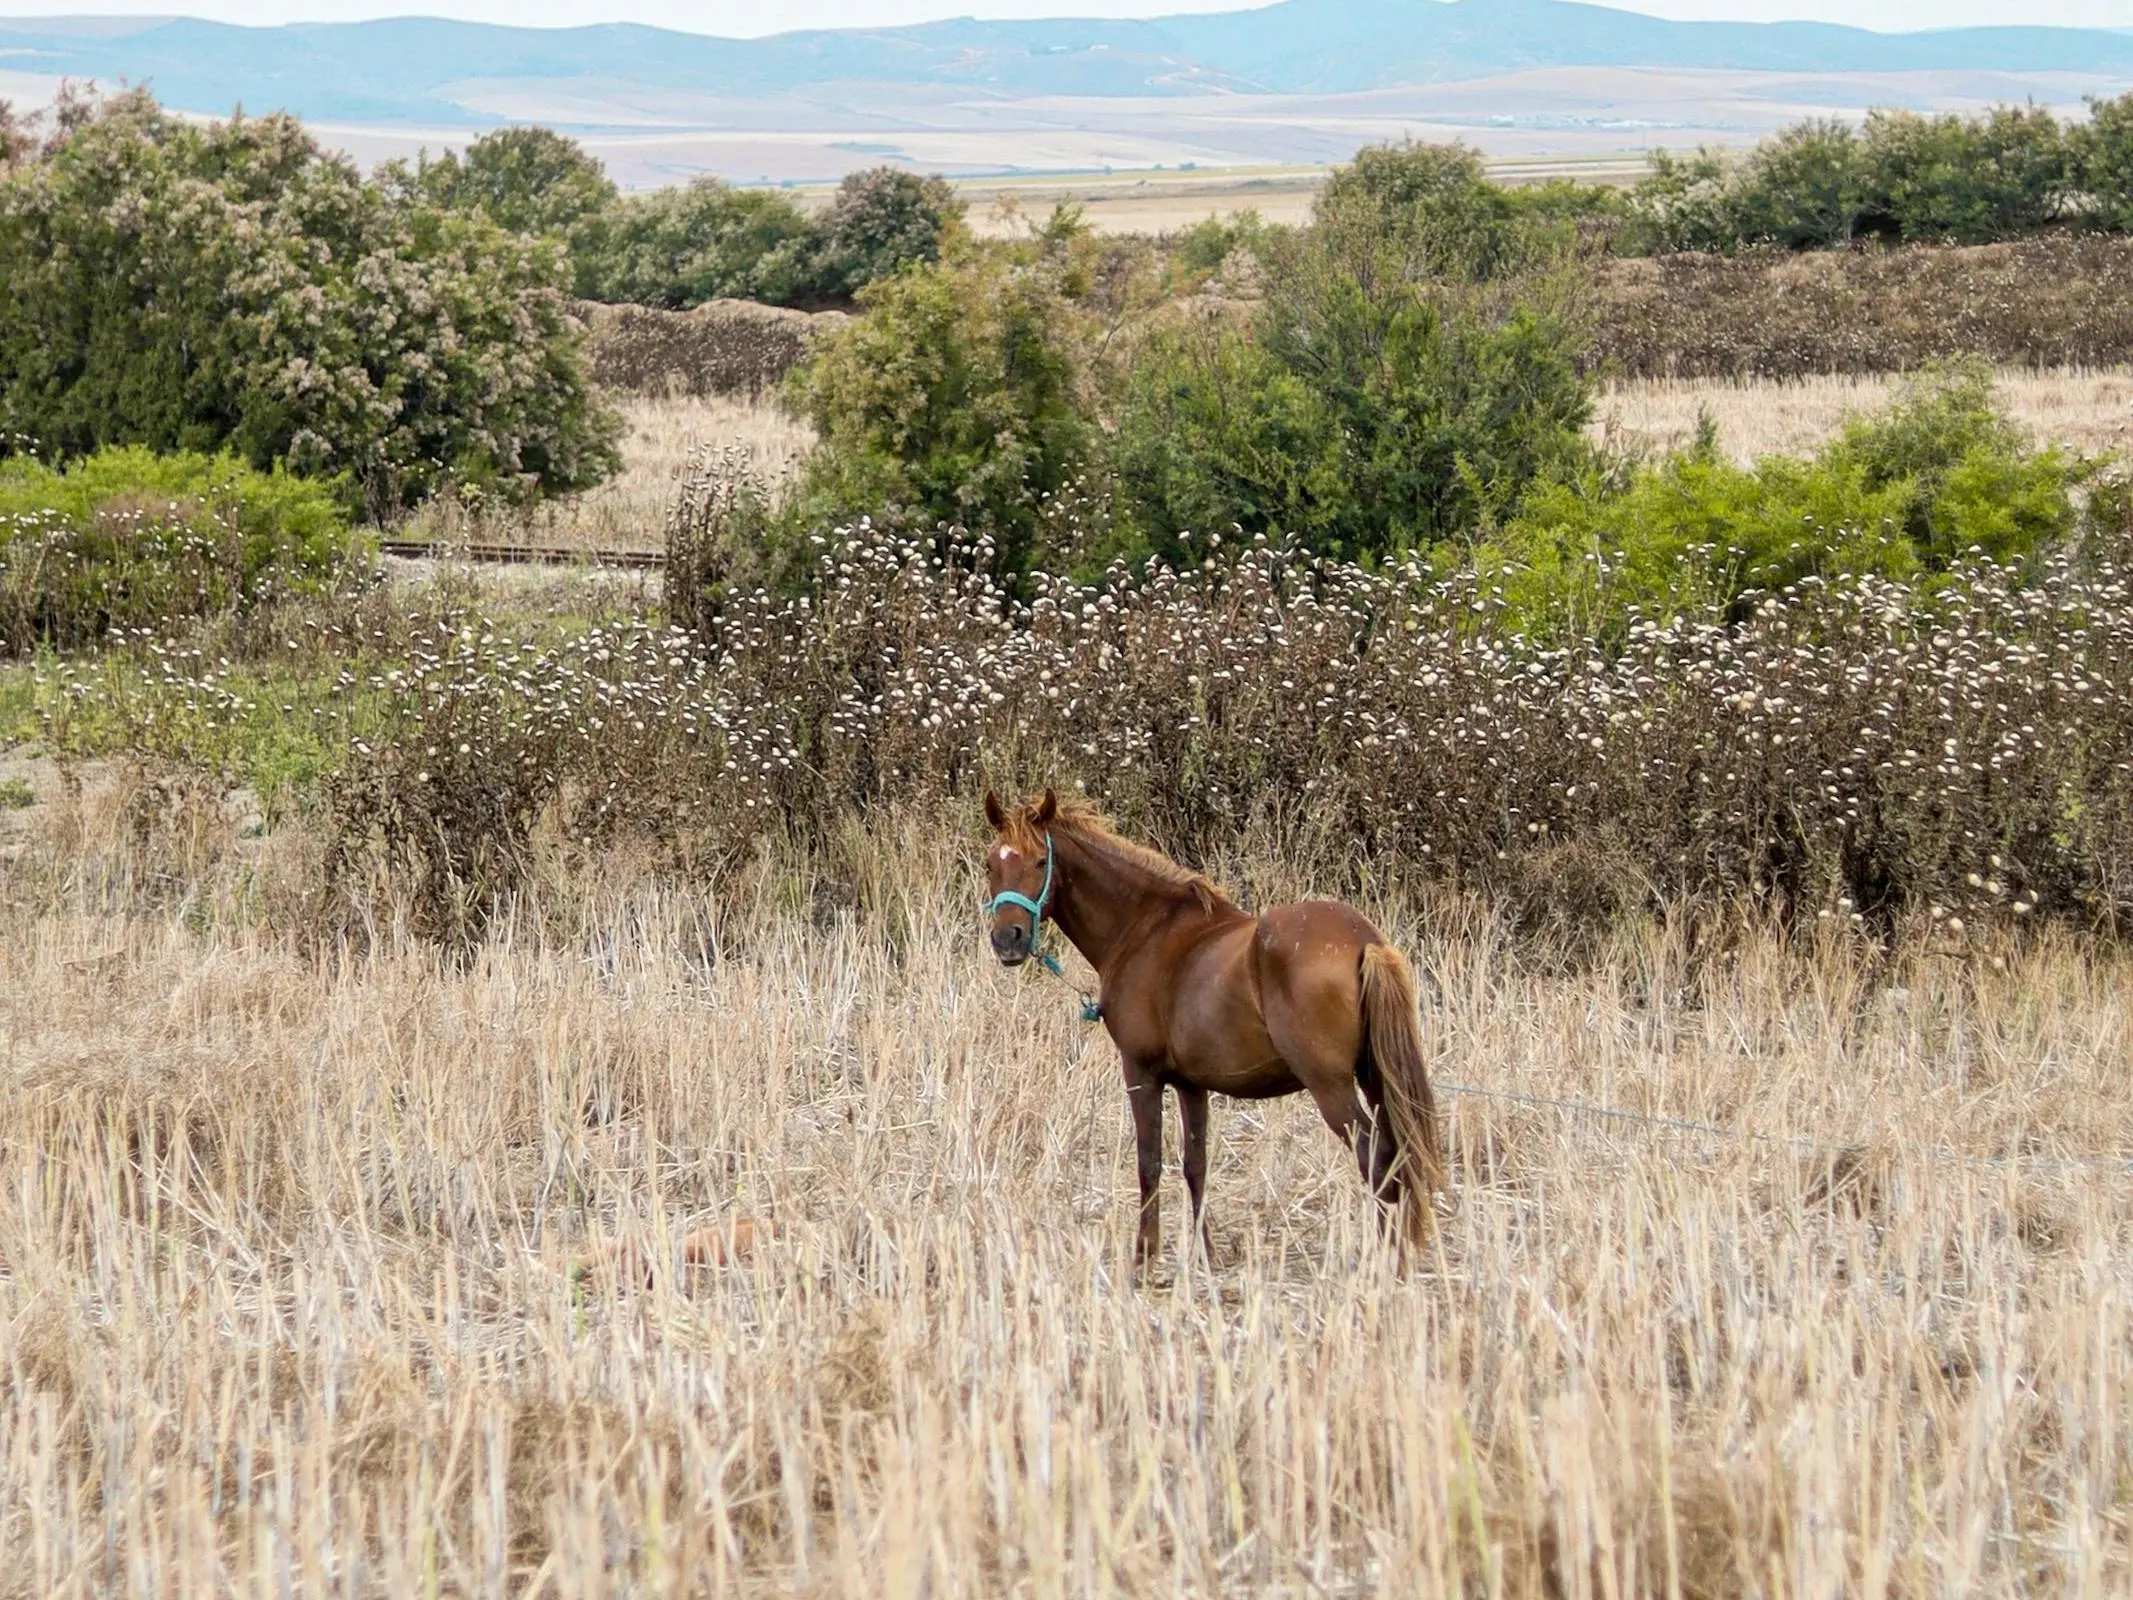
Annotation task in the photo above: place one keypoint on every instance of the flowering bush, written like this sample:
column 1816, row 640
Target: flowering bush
column 230, row 286
column 1864, row 750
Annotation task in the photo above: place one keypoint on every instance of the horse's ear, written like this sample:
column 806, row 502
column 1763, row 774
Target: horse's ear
column 1047, row 808
column 994, row 813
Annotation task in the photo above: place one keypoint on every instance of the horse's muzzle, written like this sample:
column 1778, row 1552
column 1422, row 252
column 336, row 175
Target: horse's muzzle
column 1011, row 945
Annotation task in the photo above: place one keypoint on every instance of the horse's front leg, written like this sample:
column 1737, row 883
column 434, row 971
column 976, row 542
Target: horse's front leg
column 1192, row 1116
column 1144, row 1093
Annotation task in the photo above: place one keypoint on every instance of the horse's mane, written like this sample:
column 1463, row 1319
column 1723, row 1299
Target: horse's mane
column 1081, row 818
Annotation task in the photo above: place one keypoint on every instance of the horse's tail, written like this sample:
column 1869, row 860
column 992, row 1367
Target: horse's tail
column 1392, row 1053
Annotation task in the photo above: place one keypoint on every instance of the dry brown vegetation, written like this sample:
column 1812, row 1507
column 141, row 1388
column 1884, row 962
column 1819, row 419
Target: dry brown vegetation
column 663, row 436
column 2059, row 300
column 2087, row 412
column 724, row 347
column 284, row 1259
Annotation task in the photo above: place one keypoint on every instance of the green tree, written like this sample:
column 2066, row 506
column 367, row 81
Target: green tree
column 1967, row 180
column 2100, row 152
column 881, row 221
column 1413, row 369
column 527, row 179
column 1216, row 433
column 1802, row 189
column 681, row 247
column 1683, row 203
column 229, row 286
column 956, row 399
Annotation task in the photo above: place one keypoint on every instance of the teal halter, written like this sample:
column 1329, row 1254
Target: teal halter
column 1091, row 1010
column 1035, row 908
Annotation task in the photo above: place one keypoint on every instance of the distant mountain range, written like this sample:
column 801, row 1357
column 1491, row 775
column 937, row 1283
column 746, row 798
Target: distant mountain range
column 411, row 71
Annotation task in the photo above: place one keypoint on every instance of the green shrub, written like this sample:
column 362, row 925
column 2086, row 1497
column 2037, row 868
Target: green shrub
column 881, row 221
column 680, row 247
column 1412, row 369
column 956, row 400
column 130, row 539
column 1963, row 180
column 528, row 180
column 677, row 248
column 196, row 287
column 1802, row 188
column 1970, row 476
column 1939, row 477
column 1216, row 433
column 1198, row 253
column 1684, row 203
column 2100, row 156
column 2005, row 173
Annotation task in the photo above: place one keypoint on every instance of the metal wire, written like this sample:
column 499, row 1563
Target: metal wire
column 1586, row 1108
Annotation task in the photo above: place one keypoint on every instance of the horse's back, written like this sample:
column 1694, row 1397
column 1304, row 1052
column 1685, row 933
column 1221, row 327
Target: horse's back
column 1313, row 934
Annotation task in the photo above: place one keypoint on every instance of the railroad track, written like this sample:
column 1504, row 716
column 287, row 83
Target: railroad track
column 521, row 555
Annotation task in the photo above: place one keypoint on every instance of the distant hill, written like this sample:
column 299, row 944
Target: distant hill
column 423, row 70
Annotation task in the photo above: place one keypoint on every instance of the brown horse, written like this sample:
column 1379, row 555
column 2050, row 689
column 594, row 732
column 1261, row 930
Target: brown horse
column 1201, row 996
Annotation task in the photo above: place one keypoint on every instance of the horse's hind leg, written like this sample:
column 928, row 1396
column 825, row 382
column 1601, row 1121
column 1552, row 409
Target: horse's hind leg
column 1368, row 1135
column 1377, row 1156
column 1192, row 1114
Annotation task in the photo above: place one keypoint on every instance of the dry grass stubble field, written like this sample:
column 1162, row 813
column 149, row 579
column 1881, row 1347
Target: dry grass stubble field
column 287, row 1234
column 2089, row 411
column 661, row 436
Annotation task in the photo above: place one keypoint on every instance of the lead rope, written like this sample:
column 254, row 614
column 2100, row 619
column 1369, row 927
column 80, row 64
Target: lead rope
column 1092, row 1008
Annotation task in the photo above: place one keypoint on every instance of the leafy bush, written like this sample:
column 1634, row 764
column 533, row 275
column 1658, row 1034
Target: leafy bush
column 1199, row 252
column 1682, row 204
column 229, row 286
column 2006, row 173
column 1941, row 477
column 1802, row 188
column 1965, row 180
column 1412, row 368
column 1217, row 434
column 2100, row 156
column 956, row 400
column 129, row 539
column 680, row 247
column 881, row 221
column 1429, row 210
column 527, row 180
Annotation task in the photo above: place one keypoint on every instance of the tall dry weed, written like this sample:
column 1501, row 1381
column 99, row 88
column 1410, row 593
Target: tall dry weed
column 1862, row 752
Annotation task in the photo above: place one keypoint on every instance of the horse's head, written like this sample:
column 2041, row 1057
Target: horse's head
column 1018, row 875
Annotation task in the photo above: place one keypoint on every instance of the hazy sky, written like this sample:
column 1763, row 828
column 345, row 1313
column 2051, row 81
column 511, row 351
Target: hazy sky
column 755, row 16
